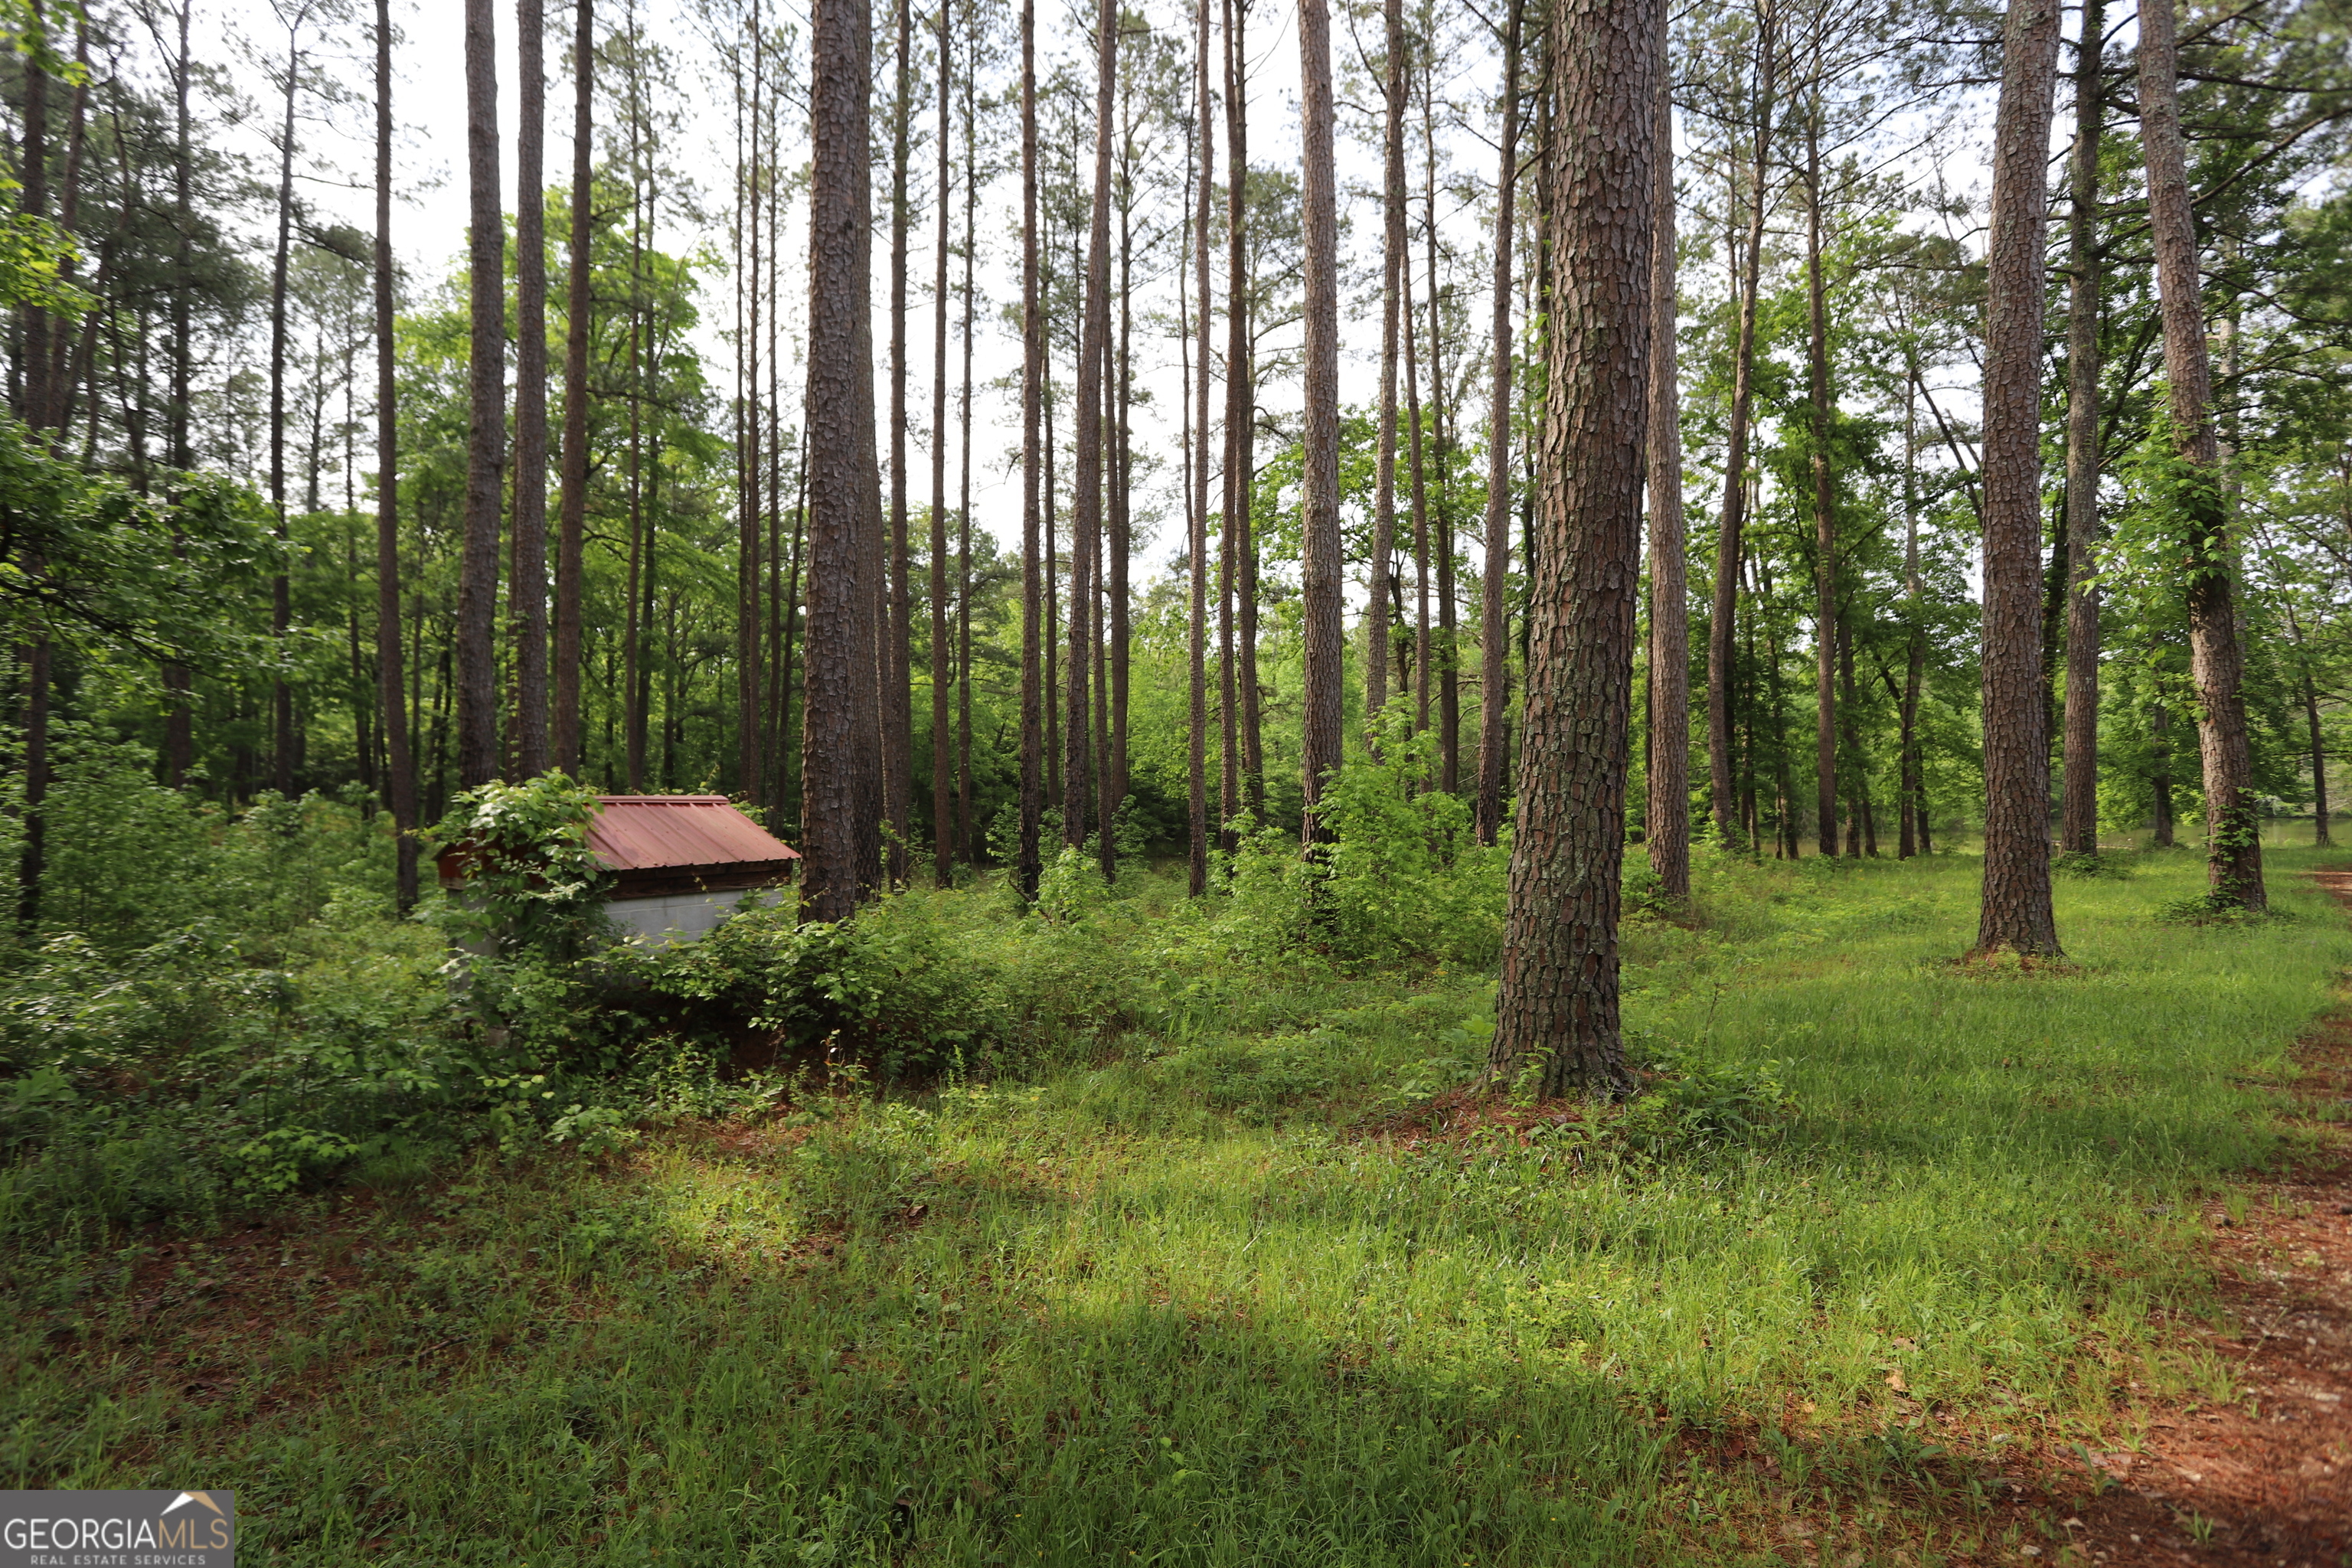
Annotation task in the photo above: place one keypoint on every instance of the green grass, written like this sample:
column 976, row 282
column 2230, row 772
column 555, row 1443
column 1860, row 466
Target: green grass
column 1175, row 1303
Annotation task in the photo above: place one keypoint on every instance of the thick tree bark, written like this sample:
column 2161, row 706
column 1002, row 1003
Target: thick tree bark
column 1324, row 690
column 1824, row 497
column 572, row 521
column 895, row 663
column 486, row 436
column 1377, row 622
column 2078, row 830
column 1721, row 623
column 1034, row 695
column 1668, row 816
column 2016, row 915
column 1197, row 646
column 1558, row 1007
column 527, row 597
column 839, row 771
column 400, row 781
column 942, row 798
column 1494, row 594
column 2216, row 662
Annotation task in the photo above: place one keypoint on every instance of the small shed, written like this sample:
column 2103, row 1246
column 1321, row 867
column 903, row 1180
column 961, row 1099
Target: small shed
column 680, row 862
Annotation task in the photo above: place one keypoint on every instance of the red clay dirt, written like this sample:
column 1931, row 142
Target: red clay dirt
column 2267, row 1478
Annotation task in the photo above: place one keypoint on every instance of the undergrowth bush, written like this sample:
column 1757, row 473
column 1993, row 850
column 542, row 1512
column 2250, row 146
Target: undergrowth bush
column 2092, row 865
column 1403, row 879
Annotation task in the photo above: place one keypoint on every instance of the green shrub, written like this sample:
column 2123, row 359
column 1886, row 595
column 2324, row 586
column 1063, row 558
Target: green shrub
column 1403, row 880
column 883, row 987
column 1694, row 1103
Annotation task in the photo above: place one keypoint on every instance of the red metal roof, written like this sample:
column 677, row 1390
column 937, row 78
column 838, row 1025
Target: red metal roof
column 639, row 832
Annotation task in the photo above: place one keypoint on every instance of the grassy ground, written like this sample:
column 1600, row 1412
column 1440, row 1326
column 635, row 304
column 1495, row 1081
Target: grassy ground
column 1220, row 1293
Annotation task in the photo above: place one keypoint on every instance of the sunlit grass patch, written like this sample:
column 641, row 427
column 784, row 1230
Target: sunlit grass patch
column 1174, row 1294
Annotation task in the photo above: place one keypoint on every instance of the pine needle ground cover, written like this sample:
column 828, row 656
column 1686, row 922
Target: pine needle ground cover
column 1223, row 1287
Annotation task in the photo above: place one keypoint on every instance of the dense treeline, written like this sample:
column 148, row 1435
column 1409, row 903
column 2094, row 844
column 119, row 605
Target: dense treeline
column 1031, row 450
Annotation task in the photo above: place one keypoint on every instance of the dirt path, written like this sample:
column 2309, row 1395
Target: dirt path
column 2266, row 1479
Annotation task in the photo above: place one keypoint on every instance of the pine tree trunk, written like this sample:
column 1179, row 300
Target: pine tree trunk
column 34, row 323
column 1557, row 1009
column 2320, row 835
column 1419, row 475
column 477, row 579
column 1826, row 615
column 1494, row 601
column 1086, row 507
column 839, row 735
column 1324, row 685
column 184, row 230
column 1379, row 626
column 2216, row 662
column 1111, row 679
column 2016, row 915
column 528, row 595
column 1445, row 650
column 178, row 724
column 2078, row 831
column 572, row 521
column 1033, row 694
column 1668, row 814
column 1862, row 828
column 281, row 604
column 745, row 265
column 2160, row 786
column 60, row 370
column 776, row 764
column 32, row 826
column 1197, row 643
column 1053, row 558
column 1721, row 641
column 1914, row 662
column 1241, row 420
column 963, row 420
column 633, row 631
column 399, row 767
column 942, row 802
column 894, row 666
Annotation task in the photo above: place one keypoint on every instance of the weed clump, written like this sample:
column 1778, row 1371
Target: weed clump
column 2091, row 865
column 2216, row 909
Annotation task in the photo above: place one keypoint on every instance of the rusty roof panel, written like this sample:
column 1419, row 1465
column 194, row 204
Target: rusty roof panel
column 637, row 832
